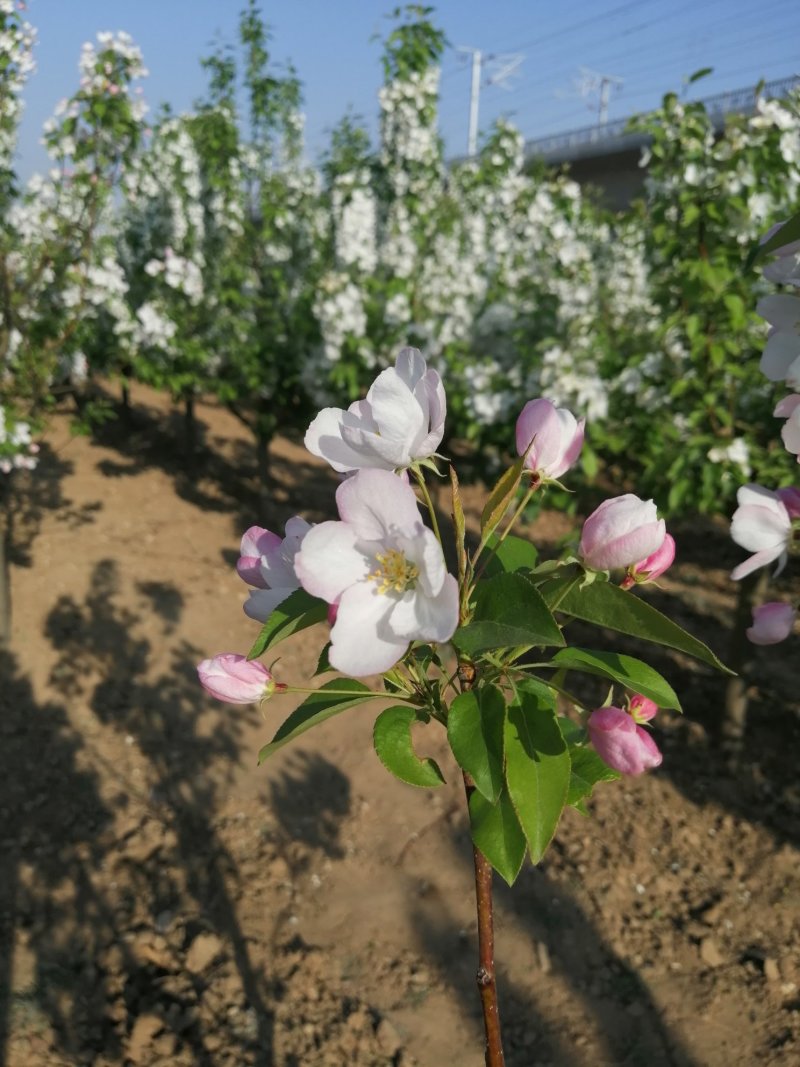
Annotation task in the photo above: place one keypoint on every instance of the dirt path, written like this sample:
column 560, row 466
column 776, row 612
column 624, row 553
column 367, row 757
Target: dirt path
column 164, row 901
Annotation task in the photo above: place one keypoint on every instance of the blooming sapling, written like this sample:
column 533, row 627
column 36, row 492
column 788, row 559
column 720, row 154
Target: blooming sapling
column 483, row 652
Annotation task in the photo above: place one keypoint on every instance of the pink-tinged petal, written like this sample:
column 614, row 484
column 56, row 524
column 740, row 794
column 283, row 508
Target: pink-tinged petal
column 570, row 457
column 793, row 373
column 620, row 743
column 643, row 709
column 324, row 439
column 361, row 643
column 416, row 617
column 537, row 426
column 648, row 570
column 759, row 559
column 297, row 528
column 257, row 541
column 757, row 528
column 780, row 353
column 787, row 406
column 329, row 562
column 430, row 393
column 378, row 452
column 234, row 679
column 249, row 570
column 790, row 498
column 781, row 310
column 772, row 623
column 261, row 603
column 376, row 503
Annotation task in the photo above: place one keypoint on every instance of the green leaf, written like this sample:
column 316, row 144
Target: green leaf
column 512, row 554
column 298, row 611
column 496, row 832
column 459, row 525
column 508, row 612
column 323, row 663
column 616, row 609
column 330, row 699
column 787, row 234
column 587, row 770
column 392, row 740
column 537, row 769
column 501, row 496
column 698, row 74
column 626, row 670
column 475, row 725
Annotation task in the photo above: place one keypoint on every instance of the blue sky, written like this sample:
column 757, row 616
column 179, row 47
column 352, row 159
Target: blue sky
column 652, row 45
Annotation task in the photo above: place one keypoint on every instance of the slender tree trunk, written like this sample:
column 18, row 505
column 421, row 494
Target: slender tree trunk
column 5, row 575
column 734, row 723
column 125, row 389
column 263, row 441
column 189, row 431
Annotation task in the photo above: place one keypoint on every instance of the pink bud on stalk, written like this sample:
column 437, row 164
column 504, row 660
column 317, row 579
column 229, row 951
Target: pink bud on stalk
column 621, row 743
column 236, row 680
column 772, row 623
column 622, row 532
column 647, row 570
column 550, row 438
column 643, row 709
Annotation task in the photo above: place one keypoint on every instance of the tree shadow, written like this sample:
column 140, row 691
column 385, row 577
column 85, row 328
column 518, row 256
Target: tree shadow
column 147, row 944
column 600, row 985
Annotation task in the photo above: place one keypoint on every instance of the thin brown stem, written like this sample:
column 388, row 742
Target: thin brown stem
column 487, row 984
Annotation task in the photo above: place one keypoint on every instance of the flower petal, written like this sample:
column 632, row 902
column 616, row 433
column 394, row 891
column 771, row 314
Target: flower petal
column 360, row 641
column 417, row 617
column 329, row 562
column 377, row 503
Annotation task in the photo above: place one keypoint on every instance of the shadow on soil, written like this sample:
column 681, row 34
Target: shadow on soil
column 99, row 884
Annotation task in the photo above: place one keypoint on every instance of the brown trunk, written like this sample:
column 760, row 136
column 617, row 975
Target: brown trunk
column 740, row 651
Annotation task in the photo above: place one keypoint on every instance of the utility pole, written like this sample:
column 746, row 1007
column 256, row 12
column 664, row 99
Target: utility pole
column 504, row 66
column 591, row 83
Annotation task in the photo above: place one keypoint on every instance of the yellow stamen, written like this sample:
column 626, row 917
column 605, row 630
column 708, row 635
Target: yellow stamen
column 394, row 572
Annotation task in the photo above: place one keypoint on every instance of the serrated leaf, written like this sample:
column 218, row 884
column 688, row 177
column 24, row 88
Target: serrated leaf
column 496, row 832
column 587, row 770
column 330, row 699
column 323, row 663
column 501, row 496
column 298, row 611
column 508, row 612
column 392, row 739
column 635, row 675
column 537, row 769
column 511, row 555
column 616, row 609
column 475, row 724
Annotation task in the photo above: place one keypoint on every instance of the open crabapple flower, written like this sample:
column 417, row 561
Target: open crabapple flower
column 621, row 742
column 763, row 526
column 550, row 438
column 383, row 569
column 267, row 563
column 780, row 360
column 621, row 532
column 400, row 422
column 235, row 680
column 789, row 409
column 772, row 623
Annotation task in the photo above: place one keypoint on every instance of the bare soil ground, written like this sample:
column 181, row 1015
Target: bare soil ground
column 163, row 901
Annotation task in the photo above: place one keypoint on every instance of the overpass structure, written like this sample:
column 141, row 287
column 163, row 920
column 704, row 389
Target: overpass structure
column 607, row 156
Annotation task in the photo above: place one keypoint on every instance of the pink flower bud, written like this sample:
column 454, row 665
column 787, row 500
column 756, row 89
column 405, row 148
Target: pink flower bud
column 642, row 708
column 234, row 679
column 621, row 532
column 647, row 570
column 550, row 438
column 621, row 743
column 772, row 623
